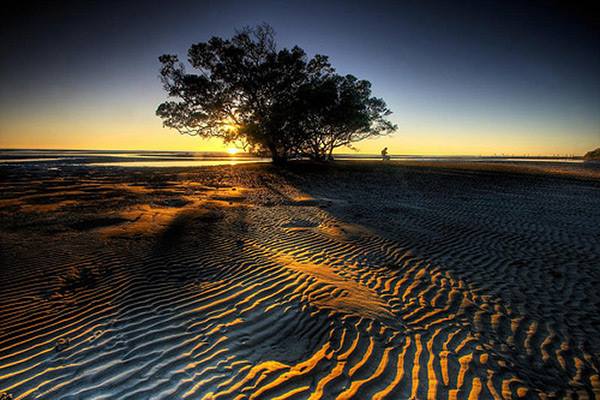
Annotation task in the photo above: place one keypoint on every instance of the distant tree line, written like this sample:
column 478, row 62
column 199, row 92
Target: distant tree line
column 269, row 101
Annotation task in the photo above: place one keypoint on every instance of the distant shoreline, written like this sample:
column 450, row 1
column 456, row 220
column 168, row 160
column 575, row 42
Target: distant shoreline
column 337, row 155
column 123, row 158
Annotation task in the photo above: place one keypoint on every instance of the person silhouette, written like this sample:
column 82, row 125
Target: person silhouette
column 384, row 154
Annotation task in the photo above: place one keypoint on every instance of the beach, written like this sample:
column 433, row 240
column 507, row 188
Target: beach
column 355, row 279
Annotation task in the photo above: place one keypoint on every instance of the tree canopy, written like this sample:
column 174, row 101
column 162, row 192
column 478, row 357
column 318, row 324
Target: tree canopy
column 270, row 101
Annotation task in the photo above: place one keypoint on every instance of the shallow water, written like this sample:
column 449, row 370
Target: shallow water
column 53, row 158
column 179, row 163
column 461, row 158
column 105, row 158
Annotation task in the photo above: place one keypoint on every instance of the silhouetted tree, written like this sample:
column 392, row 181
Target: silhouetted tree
column 336, row 111
column 269, row 101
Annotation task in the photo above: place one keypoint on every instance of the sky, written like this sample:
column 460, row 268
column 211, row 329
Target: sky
column 461, row 78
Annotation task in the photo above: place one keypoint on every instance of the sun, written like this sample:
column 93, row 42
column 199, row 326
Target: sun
column 232, row 151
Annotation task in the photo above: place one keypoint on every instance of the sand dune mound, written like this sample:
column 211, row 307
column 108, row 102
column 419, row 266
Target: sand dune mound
column 303, row 292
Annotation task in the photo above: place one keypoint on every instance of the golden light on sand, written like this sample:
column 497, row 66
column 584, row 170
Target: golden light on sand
column 288, row 294
column 232, row 151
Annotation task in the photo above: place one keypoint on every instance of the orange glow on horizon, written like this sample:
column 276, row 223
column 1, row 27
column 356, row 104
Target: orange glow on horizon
column 143, row 133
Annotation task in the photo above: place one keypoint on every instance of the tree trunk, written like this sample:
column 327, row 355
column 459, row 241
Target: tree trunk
column 276, row 158
column 329, row 155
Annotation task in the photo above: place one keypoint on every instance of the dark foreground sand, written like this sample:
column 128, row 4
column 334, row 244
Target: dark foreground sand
column 359, row 280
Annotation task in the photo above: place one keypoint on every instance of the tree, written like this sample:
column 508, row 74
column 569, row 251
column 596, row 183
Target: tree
column 338, row 111
column 268, row 101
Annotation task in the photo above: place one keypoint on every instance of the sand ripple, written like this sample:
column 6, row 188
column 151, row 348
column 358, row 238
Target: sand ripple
column 275, row 297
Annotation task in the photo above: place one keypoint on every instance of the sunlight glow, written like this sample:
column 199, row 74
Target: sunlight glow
column 232, row 151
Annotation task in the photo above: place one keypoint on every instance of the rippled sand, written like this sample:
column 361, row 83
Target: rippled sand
column 360, row 280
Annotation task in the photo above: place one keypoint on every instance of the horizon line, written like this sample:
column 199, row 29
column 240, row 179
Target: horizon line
column 530, row 155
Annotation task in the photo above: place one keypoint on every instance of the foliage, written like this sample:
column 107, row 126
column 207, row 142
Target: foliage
column 592, row 155
column 268, row 101
column 338, row 111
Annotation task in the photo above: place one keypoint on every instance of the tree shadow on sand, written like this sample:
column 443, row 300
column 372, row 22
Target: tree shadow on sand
column 509, row 238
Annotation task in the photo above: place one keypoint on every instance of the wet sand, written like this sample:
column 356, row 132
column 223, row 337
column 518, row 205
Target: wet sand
column 357, row 280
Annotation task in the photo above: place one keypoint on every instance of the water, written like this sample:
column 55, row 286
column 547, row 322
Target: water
column 179, row 163
column 95, row 158
column 100, row 158
column 460, row 158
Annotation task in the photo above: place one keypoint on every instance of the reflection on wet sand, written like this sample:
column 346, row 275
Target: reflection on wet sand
column 241, row 282
column 176, row 163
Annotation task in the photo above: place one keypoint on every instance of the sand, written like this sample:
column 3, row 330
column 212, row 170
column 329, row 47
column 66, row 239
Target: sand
column 358, row 280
